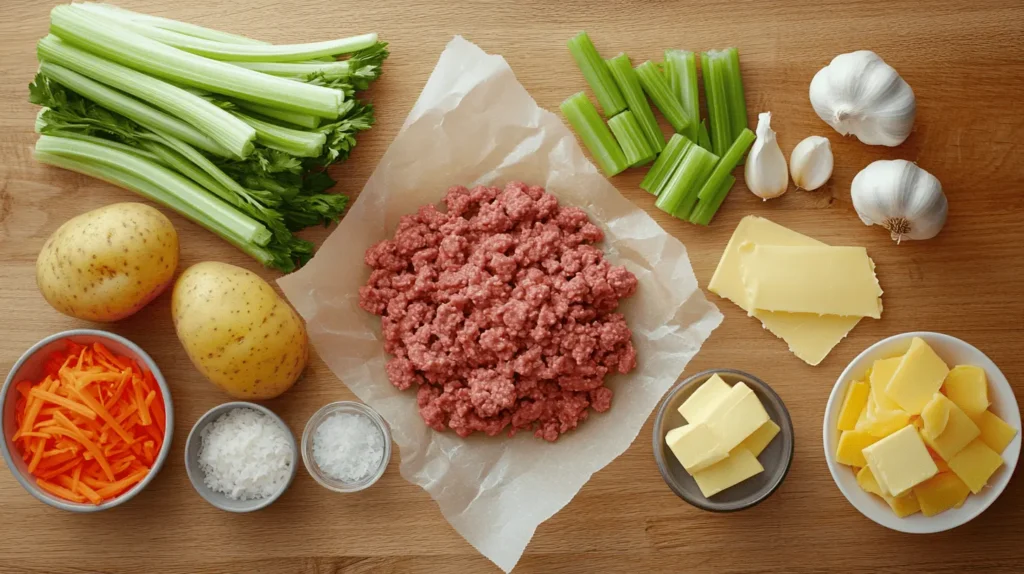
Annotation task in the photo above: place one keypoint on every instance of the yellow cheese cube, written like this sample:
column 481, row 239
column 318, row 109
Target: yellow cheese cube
column 761, row 438
column 934, row 416
column 900, row 461
column 695, row 446
column 854, row 403
column 867, row 481
column 940, row 493
column 902, row 506
column 879, row 377
column 851, row 447
column 967, row 386
column 883, row 423
column 994, row 431
column 919, row 376
column 737, row 467
column 696, row 408
column 959, row 432
column 737, row 416
column 975, row 464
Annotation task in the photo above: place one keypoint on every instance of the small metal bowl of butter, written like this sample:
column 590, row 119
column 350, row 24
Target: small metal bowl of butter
column 734, row 435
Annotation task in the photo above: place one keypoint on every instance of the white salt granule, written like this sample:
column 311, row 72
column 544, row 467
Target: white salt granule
column 348, row 447
column 245, row 455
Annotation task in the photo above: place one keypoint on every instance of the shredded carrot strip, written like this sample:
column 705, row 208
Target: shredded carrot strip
column 158, row 436
column 34, row 434
column 126, row 375
column 59, row 491
column 104, row 352
column 88, row 444
column 103, row 414
column 141, row 404
column 76, row 475
column 23, row 388
column 61, row 469
column 159, row 417
column 123, row 484
column 33, row 408
column 70, row 405
column 37, row 454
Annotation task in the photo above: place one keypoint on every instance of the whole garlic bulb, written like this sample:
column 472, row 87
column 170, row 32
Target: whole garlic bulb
column 901, row 197
column 765, row 170
column 859, row 94
column 811, row 162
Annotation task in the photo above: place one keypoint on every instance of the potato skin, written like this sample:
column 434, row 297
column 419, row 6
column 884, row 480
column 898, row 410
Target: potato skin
column 238, row 332
column 108, row 263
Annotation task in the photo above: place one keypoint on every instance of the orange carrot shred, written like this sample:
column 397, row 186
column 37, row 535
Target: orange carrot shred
column 59, row 491
column 140, row 402
column 60, row 470
column 68, row 404
column 37, row 454
column 123, row 484
column 76, row 475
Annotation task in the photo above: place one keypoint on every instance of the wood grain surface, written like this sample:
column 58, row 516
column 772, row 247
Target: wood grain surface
column 965, row 61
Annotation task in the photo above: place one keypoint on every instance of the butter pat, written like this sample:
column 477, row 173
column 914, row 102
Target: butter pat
column 975, row 464
column 737, row 467
column 967, row 386
column 994, row 431
column 822, row 280
column 960, row 430
column 900, row 461
column 761, row 438
column 854, row 403
column 940, row 493
column 917, row 378
column 881, row 373
column 851, row 447
column 695, row 446
column 737, row 416
column 699, row 405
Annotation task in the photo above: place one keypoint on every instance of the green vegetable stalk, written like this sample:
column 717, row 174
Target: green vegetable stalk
column 665, row 165
column 597, row 74
column 680, row 192
column 658, row 89
column 629, row 84
column 681, row 72
column 585, row 120
column 631, row 138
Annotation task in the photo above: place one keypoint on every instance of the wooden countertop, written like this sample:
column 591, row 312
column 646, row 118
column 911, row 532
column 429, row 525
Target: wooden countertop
column 965, row 61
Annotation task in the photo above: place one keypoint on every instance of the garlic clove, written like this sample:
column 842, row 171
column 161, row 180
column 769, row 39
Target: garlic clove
column 765, row 170
column 901, row 197
column 811, row 163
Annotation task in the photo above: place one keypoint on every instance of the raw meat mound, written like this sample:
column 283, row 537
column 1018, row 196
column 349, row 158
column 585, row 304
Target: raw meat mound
column 501, row 311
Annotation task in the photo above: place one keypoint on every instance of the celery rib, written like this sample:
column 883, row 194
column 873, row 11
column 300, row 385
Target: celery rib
column 597, row 74
column 631, row 138
column 666, row 163
column 169, row 24
column 106, row 38
column 681, row 70
column 680, row 192
column 302, row 120
column 587, row 123
column 715, row 95
column 737, row 105
column 657, row 88
column 330, row 70
column 703, row 139
column 232, row 133
column 729, row 161
column 636, row 102
column 295, row 142
column 706, row 208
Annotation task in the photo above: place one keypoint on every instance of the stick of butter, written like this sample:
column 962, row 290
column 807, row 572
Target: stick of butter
column 699, row 405
column 900, row 461
column 695, row 446
column 737, row 416
column 737, row 467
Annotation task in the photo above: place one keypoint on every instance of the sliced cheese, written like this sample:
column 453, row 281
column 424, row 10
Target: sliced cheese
column 940, row 493
column 739, row 466
column 935, row 416
column 900, row 461
column 811, row 279
column 994, row 431
column 851, row 447
column 902, row 506
column 853, row 405
column 959, row 431
column 917, row 378
column 810, row 337
column 975, row 464
column 881, row 373
column 695, row 446
column 967, row 386
column 696, row 408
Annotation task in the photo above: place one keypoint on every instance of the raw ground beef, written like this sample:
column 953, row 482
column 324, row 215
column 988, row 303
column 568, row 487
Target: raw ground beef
column 501, row 311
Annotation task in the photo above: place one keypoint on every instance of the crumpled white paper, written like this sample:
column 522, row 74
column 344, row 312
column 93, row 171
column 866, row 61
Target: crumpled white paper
column 474, row 124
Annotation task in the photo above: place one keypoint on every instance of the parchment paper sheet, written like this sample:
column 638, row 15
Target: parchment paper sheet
column 474, row 123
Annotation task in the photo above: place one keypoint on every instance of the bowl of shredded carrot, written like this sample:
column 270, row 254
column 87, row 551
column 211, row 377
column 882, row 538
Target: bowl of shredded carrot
column 87, row 420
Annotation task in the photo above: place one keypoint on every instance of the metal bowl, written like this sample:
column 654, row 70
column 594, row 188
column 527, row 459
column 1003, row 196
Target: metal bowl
column 30, row 367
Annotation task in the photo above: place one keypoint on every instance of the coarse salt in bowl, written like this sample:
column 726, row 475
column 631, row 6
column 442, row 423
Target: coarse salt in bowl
column 346, row 446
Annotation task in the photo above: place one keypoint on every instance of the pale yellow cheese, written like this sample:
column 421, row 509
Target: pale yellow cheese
column 810, row 337
column 902, row 506
column 737, row 467
column 850, row 450
column 761, row 438
column 881, row 422
column 737, row 416
column 881, row 373
column 935, row 416
column 820, row 279
column 960, row 430
column 994, row 431
column 917, row 378
column 853, row 405
column 696, row 408
column 975, row 464
column 900, row 461
column 940, row 493
column 695, row 446
column 967, row 386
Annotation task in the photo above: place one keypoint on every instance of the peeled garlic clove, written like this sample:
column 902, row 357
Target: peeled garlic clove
column 859, row 94
column 810, row 164
column 901, row 197
column 765, row 170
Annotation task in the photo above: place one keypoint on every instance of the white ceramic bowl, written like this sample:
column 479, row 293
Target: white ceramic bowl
column 1004, row 404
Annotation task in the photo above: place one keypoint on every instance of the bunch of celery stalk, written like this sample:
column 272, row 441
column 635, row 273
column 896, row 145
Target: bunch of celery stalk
column 691, row 174
column 233, row 133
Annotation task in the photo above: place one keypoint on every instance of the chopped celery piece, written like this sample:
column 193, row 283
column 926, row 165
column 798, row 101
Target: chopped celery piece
column 232, row 133
column 583, row 117
column 295, row 142
column 706, row 208
column 628, row 82
column 631, row 138
column 703, row 139
column 680, row 192
column 302, row 120
column 666, row 163
column 681, row 71
column 105, row 37
column 715, row 95
column 597, row 74
column 168, row 24
column 729, row 160
column 657, row 88
column 131, row 108
column 737, row 103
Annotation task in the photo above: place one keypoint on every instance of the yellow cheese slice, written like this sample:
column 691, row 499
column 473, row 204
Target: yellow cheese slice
column 853, row 405
column 900, row 461
column 696, row 408
column 935, row 416
column 850, row 450
column 960, row 430
column 739, row 466
column 917, row 378
column 967, row 386
column 902, row 506
column 975, row 464
column 994, row 431
column 810, row 337
column 813, row 279
column 940, row 493
column 881, row 373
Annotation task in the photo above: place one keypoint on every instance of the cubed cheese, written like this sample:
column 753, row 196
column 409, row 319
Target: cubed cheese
column 902, row 506
column 940, row 493
column 696, row 408
column 737, row 416
column 975, row 464
column 917, row 378
column 967, row 386
column 761, row 438
column 900, row 461
column 934, row 416
column 851, row 447
column 737, row 467
column 882, row 423
column 880, row 375
column 959, row 432
column 867, row 481
column 855, row 401
column 994, row 431
column 695, row 446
